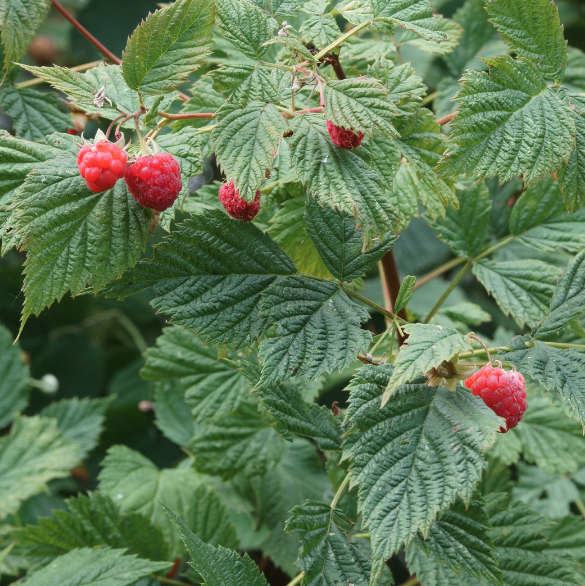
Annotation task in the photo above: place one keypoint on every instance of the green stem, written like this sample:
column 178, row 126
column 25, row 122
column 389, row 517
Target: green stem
column 448, row 291
column 580, row 505
column 391, row 328
column 439, row 271
column 474, row 353
column 430, row 98
column 339, row 492
column 412, row 581
column 286, row 111
column 371, row 304
column 495, row 247
column 341, row 40
column 206, row 129
column 565, row 346
column 169, row 581
column 362, row 535
column 296, row 579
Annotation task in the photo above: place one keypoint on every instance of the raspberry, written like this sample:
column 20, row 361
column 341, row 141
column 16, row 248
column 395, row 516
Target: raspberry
column 503, row 392
column 344, row 138
column 101, row 165
column 237, row 207
column 155, row 181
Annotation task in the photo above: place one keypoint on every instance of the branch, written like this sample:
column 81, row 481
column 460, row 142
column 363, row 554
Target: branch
column 391, row 286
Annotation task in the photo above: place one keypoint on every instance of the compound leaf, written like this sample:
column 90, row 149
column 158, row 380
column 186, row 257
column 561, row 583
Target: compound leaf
column 14, row 378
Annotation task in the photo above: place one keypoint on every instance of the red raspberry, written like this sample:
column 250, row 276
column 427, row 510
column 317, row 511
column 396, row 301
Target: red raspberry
column 503, row 392
column 155, row 181
column 237, row 207
column 101, row 165
column 344, row 138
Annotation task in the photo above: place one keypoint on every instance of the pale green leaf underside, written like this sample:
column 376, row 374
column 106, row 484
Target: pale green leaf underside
column 14, row 378
column 168, row 45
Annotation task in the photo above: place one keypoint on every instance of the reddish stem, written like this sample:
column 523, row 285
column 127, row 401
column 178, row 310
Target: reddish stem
column 105, row 52
column 391, row 286
column 442, row 121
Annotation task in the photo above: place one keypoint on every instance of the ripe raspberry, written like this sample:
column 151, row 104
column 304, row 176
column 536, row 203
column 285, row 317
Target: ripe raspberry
column 101, row 165
column 503, row 392
column 237, row 207
column 344, row 138
column 155, row 181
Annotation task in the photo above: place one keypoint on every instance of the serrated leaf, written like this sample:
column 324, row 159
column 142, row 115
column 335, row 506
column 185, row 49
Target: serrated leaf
column 386, row 161
column 320, row 29
column 171, row 43
column 465, row 229
column 134, row 482
column 404, row 293
column 92, row 521
column 212, row 387
column 533, row 31
column 33, row 453
column 451, row 29
column 218, row 566
column 403, row 197
column 184, row 145
column 567, row 537
column 173, row 416
column 242, row 83
column 555, row 369
column 327, row 555
column 209, row 274
column 362, row 104
column 339, row 178
column 521, row 288
column 86, row 567
column 340, row 244
column 461, row 539
column 246, row 141
column 154, row 109
column 35, row 113
column 425, row 348
column 246, row 26
column 397, row 453
column 240, row 441
column 19, row 22
column 81, row 420
column 512, row 101
column 73, row 237
column 14, row 378
column 318, row 328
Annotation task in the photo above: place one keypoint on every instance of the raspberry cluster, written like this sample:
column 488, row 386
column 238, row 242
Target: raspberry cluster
column 237, row 207
column 155, row 181
column 503, row 392
column 101, row 165
column 344, row 138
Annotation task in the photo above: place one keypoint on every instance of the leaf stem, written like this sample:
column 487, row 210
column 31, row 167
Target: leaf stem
column 495, row 247
column 563, row 346
column 296, row 579
column 188, row 116
column 449, row 289
column 362, row 535
column 101, row 48
column 276, row 65
column 439, row 271
column 164, row 580
column 339, row 492
column 38, row 80
column 430, row 98
column 341, row 40
column 412, row 581
column 371, row 304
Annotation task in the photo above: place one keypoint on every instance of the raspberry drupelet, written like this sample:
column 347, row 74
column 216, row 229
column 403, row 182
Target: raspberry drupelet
column 503, row 392
column 101, row 165
column 344, row 138
column 155, row 181
column 237, row 207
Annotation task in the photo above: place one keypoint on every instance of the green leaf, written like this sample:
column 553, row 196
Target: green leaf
column 91, row 521
column 289, row 231
column 555, row 369
column 452, row 30
column 33, row 453
column 246, row 26
column 318, row 328
column 340, row 244
column 173, row 416
column 184, row 145
column 212, row 387
column 35, row 113
column 320, row 29
column 14, row 381
column 86, row 567
column 294, row 47
column 338, row 177
column 568, row 301
column 511, row 101
column 533, row 31
column 134, row 482
column 397, row 453
column 404, row 196
column 521, row 288
column 246, row 141
column 361, row 104
column 240, row 441
column 467, row 313
column 461, row 539
column 81, row 420
column 209, row 275
column 465, row 229
column 19, row 22
column 567, row 537
column 218, row 566
column 74, row 238
column 242, row 83
column 425, row 348
column 327, row 555
column 168, row 46
column 153, row 111
column 404, row 293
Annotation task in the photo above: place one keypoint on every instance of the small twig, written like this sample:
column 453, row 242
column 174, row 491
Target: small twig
column 112, row 124
column 442, row 121
column 430, row 98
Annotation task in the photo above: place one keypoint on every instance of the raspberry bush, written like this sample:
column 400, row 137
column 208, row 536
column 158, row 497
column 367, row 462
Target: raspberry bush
column 292, row 293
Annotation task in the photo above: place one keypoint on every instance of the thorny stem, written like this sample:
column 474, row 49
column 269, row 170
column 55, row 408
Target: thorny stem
column 38, row 80
column 296, row 579
column 339, row 492
column 448, row 291
column 101, row 48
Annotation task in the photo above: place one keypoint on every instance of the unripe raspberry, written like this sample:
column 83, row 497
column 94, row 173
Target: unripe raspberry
column 155, row 181
column 344, row 138
column 237, row 207
column 101, row 165
column 503, row 392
